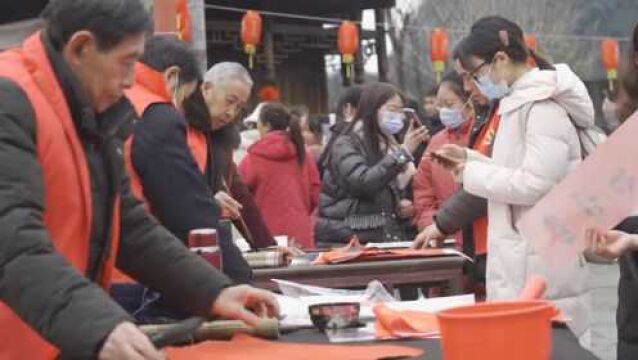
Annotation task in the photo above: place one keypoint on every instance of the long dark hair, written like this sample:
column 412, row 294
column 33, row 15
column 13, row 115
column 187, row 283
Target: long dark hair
column 492, row 34
column 373, row 97
column 455, row 83
column 628, row 99
column 278, row 118
column 352, row 96
column 315, row 125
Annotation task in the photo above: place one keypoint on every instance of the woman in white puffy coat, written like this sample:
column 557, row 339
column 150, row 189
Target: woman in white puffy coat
column 536, row 146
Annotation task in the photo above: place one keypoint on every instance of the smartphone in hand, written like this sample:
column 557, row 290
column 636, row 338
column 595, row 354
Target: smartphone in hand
column 412, row 117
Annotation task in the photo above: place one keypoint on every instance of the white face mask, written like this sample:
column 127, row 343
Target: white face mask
column 491, row 90
column 391, row 122
column 451, row 118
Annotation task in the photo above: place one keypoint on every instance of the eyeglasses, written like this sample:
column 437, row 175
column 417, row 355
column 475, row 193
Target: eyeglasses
column 472, row 73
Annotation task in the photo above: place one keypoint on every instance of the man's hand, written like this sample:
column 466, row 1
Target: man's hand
column 612, row 244
column 245, row 303
column 429, row 237
column 227, row 203
column 126, row 341
column 406, row 209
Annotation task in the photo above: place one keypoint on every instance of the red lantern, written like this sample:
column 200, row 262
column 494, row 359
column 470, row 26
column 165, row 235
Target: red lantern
column 183, row 21
column 438, row 51
column 348, row 43
column 268, row 93
column 530, row 41
column 610, row 54
column 251, row 34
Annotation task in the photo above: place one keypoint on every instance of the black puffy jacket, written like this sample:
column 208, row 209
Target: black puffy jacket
column 627, row 312
column 359, row 194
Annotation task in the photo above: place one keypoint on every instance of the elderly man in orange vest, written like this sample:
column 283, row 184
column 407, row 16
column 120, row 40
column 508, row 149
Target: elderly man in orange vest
column 176, row 162
column 67, row 215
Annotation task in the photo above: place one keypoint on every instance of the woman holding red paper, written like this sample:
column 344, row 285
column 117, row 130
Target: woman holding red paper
column 622, row 244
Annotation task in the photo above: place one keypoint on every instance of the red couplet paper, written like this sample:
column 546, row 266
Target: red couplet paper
column 404, row 324
column 246, row 347
column 355, row 252
column 601, row 192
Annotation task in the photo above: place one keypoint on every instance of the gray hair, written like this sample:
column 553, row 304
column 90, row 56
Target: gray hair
column 226, row 70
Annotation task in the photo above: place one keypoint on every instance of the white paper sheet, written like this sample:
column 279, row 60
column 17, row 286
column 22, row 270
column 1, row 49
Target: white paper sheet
column 295, row 290
column 295, row 310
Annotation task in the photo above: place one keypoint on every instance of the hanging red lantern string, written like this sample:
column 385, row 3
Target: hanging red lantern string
column 532, row 44
column 438, row 51
column 251, row 28
column 610, row 54
column 348, row 43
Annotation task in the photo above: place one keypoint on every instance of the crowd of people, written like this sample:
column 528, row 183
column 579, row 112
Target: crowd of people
column 495, row 135
column 115, row 147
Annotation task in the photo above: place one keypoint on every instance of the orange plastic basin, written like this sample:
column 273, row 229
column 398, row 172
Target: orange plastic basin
column 518, row 330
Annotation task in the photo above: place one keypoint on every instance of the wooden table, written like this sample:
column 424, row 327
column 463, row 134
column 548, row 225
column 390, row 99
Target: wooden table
column 443, row 271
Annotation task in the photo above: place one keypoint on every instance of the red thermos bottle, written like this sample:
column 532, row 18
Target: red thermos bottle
column 204, row 243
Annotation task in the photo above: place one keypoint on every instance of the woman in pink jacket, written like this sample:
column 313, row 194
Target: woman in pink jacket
column 433, row 184
column 282, row 176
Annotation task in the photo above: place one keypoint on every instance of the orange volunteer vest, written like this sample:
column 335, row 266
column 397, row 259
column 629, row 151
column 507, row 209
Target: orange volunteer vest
column 68, row 208
column 150, row 88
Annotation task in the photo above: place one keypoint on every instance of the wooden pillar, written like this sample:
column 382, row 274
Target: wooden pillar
column 269, row 51
column 380, row 44
column 359, row 71
column 198, row 29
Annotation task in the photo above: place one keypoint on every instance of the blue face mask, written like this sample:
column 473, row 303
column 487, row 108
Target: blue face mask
column 391, row 123
column 451, row 118
column 491, row 90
